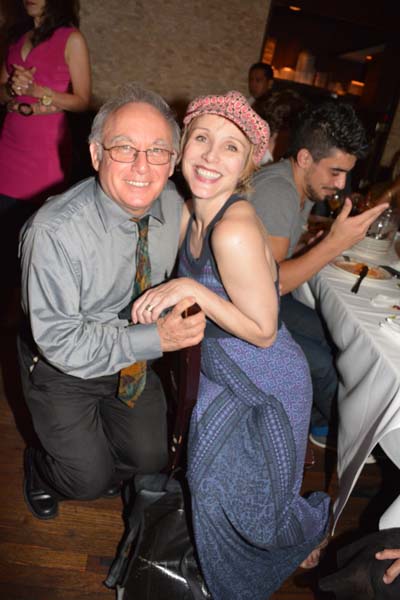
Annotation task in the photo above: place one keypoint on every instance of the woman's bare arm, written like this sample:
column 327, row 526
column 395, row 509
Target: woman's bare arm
column 245, row 267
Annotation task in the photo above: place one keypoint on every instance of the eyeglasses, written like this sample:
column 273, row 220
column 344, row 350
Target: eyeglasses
column 128, row 154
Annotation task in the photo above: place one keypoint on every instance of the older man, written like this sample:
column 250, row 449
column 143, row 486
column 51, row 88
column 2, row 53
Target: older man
column 324, row 148
column 96, row 404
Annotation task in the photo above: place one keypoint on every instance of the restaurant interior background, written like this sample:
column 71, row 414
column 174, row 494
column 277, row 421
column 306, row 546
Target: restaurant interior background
column 178, row 49
column 348, row 48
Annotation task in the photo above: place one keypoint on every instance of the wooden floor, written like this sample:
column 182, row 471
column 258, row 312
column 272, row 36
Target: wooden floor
column 68, row 558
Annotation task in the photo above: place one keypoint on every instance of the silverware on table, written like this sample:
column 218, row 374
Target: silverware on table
column 362, row 275
column 391, row 270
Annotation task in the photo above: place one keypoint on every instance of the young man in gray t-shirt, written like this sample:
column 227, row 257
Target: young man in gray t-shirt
column 325, row 145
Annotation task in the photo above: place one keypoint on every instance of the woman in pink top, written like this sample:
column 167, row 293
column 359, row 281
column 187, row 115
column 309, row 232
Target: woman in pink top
column 46, row 72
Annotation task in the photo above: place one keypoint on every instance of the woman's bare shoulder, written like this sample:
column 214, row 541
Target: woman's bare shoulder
column 76, row 41
column 239, row 224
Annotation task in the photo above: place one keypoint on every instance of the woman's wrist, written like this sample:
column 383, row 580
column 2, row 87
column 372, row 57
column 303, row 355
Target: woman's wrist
column 46, row 99
column 44, row 94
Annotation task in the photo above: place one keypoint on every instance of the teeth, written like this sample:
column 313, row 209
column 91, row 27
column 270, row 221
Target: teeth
column 138, row 183
column 208, row 174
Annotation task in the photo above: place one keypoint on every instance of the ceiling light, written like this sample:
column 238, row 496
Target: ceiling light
column 295, row 8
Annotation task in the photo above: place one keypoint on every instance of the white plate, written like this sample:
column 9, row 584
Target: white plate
column 353, row 268
column 372, row 247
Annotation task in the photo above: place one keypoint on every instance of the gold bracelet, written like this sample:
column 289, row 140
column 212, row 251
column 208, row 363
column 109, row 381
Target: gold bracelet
column 47, row 98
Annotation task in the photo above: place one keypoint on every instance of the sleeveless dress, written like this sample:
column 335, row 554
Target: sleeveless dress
column 246, row 452
column 35, row 151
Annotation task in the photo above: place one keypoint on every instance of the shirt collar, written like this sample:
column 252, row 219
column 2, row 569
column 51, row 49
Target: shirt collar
column 113, row 215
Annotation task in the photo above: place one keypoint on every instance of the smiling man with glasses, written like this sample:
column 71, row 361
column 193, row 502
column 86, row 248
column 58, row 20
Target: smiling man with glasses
column 96, row 402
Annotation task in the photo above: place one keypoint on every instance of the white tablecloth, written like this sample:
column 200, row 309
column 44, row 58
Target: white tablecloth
column 368, row 362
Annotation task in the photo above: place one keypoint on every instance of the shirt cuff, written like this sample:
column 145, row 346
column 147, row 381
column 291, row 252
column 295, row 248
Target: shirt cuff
column 146, row 343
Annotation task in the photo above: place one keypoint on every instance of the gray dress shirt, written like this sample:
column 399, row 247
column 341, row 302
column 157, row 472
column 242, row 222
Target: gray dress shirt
column 78, row 269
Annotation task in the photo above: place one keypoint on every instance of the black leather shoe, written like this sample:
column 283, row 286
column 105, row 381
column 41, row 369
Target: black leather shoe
column 112, row 491
column 41, row 504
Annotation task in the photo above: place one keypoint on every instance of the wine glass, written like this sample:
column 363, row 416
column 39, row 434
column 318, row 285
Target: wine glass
column 385, row 226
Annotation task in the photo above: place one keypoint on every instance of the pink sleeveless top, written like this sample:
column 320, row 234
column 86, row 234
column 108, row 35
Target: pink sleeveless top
column 35, row 151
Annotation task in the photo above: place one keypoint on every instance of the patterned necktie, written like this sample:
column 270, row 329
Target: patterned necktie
column 132, row 379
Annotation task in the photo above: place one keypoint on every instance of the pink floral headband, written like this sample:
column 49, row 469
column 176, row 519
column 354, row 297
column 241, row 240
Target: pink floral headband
column 233, row 106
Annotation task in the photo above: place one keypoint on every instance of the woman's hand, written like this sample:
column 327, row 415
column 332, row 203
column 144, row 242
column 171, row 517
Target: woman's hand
column 22, row 81
column 394, row 570
column 151, row 304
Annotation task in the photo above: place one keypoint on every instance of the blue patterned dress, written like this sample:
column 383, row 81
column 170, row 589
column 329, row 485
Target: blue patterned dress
column 246, row 452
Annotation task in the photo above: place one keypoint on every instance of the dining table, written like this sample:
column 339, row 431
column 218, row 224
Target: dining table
column 363, row 327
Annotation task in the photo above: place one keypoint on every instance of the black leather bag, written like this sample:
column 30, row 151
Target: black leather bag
column 156, row 559
column 360, row 574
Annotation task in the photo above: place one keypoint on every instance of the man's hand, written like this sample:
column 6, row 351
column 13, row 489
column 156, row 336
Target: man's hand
column 177, row 331
column 394, row 569
column 347, row 231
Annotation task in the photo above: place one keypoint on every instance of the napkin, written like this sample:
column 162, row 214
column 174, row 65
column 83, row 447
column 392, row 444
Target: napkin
column 381, row 300
column 391, row 326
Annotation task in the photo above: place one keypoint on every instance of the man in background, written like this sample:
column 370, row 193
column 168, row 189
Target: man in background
column 325, row 145
column 261, row 78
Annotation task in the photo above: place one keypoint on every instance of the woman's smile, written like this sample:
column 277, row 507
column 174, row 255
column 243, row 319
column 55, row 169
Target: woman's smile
column 215, row 157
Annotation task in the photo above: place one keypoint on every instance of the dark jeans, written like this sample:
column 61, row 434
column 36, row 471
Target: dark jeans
column 90, row 439
column 306, row 328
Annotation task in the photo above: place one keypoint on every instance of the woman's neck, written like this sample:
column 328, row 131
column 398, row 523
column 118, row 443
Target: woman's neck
column 205, row 210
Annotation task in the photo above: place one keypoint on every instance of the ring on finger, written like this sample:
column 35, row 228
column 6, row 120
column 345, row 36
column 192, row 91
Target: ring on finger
column 149, row 307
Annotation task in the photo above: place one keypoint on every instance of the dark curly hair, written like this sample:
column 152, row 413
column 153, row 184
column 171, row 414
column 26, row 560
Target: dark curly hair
column 57, row 13
column 326, row 126
column 279, row 108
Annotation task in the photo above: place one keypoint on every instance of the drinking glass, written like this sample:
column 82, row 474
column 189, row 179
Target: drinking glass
column 335, row 203
column 385, row 226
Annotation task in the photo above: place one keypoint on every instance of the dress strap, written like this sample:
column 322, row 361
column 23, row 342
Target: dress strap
column 206, row 252
column 234, row 198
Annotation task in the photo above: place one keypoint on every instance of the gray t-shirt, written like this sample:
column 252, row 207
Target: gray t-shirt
column 277, row 202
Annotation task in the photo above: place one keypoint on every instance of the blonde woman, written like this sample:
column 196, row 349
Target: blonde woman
column 249, row 427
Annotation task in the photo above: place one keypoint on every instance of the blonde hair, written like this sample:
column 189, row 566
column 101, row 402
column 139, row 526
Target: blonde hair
column 243, row 185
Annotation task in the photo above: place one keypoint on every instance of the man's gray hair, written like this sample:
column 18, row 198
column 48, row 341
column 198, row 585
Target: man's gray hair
column 133, row 92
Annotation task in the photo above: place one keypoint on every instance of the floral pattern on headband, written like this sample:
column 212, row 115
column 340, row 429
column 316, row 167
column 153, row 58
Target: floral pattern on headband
column 233, row 106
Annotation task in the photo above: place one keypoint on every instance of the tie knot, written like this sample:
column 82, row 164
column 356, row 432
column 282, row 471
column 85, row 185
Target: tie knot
column 143, row 225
